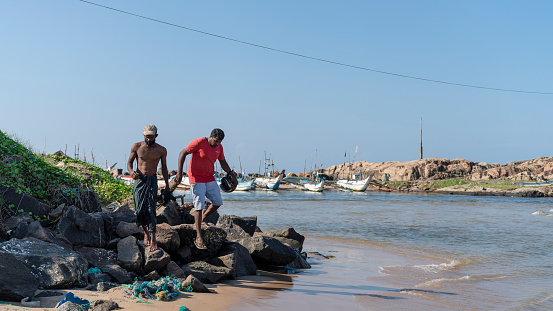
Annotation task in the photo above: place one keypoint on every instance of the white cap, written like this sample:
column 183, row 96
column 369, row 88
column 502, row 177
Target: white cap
column 150, row 129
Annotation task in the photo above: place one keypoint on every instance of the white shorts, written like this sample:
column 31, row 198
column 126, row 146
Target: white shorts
column 209, row 190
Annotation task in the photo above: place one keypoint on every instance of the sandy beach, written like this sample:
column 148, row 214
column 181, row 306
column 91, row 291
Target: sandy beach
column 348, row 280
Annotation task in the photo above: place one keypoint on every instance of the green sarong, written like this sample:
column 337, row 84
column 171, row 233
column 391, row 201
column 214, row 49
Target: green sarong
column 145, row 197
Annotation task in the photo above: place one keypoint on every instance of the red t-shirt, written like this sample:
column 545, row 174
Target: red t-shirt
column 203, row 157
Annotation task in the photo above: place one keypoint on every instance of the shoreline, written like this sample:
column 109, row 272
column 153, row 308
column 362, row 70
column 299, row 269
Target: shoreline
column 334, row 283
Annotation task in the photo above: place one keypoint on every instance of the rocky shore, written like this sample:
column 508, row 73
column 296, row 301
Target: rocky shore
column 457, row 176
column 98, row 248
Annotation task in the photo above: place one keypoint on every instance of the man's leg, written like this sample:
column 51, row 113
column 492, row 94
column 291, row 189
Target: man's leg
column 214, row 194
column 146, row 235
column 153, row 242
column 198, row 197
column 208, row 211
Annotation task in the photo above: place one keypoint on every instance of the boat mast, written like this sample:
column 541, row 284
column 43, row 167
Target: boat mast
column 421, row 138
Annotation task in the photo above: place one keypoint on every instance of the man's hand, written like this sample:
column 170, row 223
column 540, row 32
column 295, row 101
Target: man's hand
column 178, row 178
column 135, row 175
column 234, row 180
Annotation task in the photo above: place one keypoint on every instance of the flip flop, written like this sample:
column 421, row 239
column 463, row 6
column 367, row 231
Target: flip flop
column 199, row 246
column 210, row 225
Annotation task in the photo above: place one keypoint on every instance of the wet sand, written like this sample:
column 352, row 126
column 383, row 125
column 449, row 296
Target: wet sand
column 348, row 281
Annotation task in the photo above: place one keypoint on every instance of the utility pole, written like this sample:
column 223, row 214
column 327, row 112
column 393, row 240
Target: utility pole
column 421, row 138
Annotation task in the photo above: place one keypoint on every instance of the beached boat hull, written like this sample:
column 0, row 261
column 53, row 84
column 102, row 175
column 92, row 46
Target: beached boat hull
column 315, row 187
column 245, row 185
column 355, row 185
column 264, row 183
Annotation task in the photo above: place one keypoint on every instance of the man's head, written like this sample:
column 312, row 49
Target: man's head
column 216, row 137
column 150, row 134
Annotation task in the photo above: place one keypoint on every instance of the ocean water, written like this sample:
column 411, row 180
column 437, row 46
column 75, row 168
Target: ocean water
column 469, row 253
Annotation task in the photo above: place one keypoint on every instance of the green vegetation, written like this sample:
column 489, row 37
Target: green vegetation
column 496, row 184
column 398, row 184
column 107, row 188
column 447, row 183
column 35, row 175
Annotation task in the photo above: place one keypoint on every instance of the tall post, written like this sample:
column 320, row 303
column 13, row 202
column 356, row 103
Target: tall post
column 421, row 138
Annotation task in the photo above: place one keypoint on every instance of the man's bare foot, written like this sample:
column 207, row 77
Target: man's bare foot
column 153, row 246
column 146, row 242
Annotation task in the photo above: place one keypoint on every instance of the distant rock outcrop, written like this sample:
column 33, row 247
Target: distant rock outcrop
column 435, row 169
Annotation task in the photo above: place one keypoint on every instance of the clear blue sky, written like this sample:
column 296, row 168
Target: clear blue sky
column 74, row 73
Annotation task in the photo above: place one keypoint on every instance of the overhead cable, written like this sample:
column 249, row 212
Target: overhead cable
column 316, row 58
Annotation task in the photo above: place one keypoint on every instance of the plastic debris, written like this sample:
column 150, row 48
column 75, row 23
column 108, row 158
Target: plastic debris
column 182, row 308
column 164, row 289
column 94, row 270
column 29, row 303
column 74, row 299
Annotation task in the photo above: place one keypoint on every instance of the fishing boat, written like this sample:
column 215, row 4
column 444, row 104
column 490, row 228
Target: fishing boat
column 268, row 181
column 536, row 183
column 245, row 185
column 127, row 179
column 355, row 184
column 309, row 186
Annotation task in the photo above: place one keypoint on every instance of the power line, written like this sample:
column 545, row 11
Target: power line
column 316, row 58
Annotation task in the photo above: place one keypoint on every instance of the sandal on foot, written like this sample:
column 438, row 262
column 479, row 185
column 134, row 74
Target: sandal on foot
column 199, row 245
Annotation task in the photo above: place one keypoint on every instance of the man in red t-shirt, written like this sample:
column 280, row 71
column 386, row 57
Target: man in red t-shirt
column 204, row 151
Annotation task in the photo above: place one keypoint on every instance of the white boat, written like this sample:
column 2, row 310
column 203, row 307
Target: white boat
column 355, row 184
column 268, row 183
column 245, row 185
column 127, row 179
column 309, row 186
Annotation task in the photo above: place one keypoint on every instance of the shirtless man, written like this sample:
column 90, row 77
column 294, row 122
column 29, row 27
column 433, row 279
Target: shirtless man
column 147, row 153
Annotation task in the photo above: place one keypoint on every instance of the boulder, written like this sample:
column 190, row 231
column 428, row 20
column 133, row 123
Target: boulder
column 300, row 262
column 104, row 286
column 24, row 202
column 85, row 199
column 182, row 254
column 124, row 229
column 118, row 274
column 129, row 256
column 155, row 260
column 197, row 286
column 173, row 269
column 112, row 244
column 14, row 221
column 97, row 257
column 56, row 214
column 235, row 232
column 248, row 224
column 81, row 228
column 69, row 306
column 168, row 214
column 124, row 213
column 104, row 305
column 16, row 281
column 288, row 233
column 207, row 273
column 167, row 237
column 235, row 257
column 152, row 276
column 35, row 230
column 94, row 279
column 52, row 265
column 268, row 251
column 213, row 238
column 292, row 243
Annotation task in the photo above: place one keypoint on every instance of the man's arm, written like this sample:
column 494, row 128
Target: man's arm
column 164, row 167
column 182, row 157
column 132, row 156
column 226, row 168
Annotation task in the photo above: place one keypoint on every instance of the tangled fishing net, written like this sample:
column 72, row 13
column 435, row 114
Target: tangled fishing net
column 164, row 289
